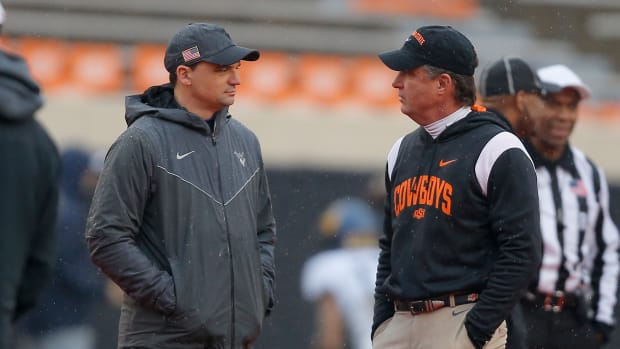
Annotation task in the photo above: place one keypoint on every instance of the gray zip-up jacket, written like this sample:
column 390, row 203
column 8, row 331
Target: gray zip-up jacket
column 182, row 221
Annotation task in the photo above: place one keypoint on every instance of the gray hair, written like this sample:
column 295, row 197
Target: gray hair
column 465, row 91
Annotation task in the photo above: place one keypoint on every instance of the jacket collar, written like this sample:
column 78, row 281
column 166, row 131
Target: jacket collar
column 566, row 161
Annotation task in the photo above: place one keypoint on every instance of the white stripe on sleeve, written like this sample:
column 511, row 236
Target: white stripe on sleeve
column 393, row 155
column 491, row 152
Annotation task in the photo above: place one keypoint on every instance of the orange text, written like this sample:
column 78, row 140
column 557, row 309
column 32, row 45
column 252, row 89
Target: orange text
column 423, row 190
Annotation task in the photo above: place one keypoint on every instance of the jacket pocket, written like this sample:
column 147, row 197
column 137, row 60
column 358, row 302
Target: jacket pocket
column 185, row 315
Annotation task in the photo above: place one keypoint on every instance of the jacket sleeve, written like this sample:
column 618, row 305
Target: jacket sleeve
column 266, row 239
column 115, row 219
column 512, row 196
column 606, row 266
column 384, row 308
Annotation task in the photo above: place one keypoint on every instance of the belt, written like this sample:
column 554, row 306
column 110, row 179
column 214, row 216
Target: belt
column 430, row 305
column 555, row 301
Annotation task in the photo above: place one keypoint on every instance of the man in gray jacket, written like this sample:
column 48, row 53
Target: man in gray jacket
column 181, row 218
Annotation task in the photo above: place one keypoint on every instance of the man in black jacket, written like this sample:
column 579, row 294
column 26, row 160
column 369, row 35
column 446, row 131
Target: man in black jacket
column 460, row 239
column 181, row 219
column 511, row 89
column 29, row 183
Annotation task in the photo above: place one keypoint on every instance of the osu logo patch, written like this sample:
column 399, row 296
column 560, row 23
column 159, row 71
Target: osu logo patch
column 419, row 213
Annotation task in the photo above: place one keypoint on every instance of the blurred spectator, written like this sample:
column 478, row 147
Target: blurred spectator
column 340, row 282
column 29, row 199
column 61, row 321
column 375, row 192
column 105, row 314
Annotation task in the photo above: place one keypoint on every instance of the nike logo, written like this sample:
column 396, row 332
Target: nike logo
column 455, row 313
column 179, row 157
column 446, row 163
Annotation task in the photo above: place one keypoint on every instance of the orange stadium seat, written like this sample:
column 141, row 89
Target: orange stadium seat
column 610, row 111
column 324, row 79
column 8, row 44
column 95, row 68
column 147, row 66
column 440, row 8
column 372, row 83
column 607, row 111
column 47, row 61
column 268, row 80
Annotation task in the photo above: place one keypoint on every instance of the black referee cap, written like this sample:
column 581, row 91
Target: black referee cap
column 509, row 75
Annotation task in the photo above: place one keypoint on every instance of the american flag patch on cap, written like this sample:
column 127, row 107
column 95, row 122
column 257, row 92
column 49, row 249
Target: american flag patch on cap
column 190, row 54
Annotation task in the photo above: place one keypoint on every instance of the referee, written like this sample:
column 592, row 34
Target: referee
column 571, row 303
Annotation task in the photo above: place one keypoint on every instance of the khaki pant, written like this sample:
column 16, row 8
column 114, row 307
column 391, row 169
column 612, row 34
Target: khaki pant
column 441, row 329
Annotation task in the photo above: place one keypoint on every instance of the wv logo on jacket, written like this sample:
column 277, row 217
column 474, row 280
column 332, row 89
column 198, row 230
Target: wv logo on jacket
column 423, row 190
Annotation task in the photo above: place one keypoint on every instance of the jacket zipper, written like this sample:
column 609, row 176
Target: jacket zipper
column 213, row 132
column 229, row 245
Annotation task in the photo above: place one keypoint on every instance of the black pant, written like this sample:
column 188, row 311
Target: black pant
column 207, row 347
column 247, row 346
column 567, row 329
column 148, row 348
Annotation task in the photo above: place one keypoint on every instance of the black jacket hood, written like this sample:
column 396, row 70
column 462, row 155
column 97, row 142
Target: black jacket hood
column 502, row 119
column 20, row 96
column 159, row 102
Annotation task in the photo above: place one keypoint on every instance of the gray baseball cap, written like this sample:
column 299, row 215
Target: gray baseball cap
column 197, row 42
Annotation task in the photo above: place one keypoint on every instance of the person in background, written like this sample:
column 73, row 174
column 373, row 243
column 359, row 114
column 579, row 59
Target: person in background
column 572, row 301
column 106, row 316
column 510, row 88
column 460, row 238
column 181, row 218
column 62, row 318
column 340, row 282
column 29, row 185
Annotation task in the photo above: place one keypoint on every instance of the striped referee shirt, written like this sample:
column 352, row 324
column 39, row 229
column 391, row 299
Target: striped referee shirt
column 579, row 237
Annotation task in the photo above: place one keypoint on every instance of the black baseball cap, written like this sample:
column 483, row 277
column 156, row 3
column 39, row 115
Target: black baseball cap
column 206, row 42
column 509, row 75
column 439, row 46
